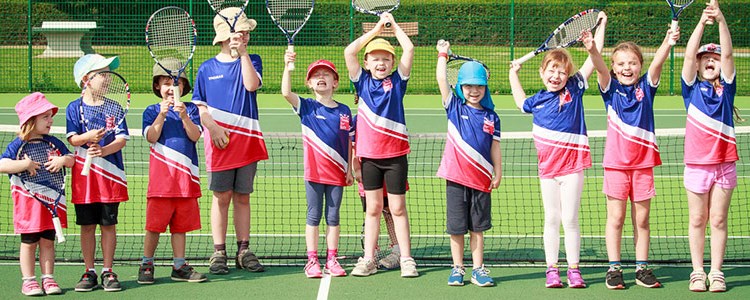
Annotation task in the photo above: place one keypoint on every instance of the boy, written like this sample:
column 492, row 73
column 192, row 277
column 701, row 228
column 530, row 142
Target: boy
column 382, row 138
column 225, row 94
column 98, row 195
column 172, row 128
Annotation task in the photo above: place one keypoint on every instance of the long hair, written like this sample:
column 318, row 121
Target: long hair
column 27, row 128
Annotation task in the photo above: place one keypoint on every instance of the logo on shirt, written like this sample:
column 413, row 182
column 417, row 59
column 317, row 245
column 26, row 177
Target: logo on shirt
column 639, row 94
column 220, row 76
column 387, row 84
column 489, row 126
column 344, row 122
column 565, row 97
column 110, row 122
column 720, row 90
column 53, row 153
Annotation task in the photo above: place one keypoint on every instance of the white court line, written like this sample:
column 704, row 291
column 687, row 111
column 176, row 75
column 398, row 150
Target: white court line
column 325, row 286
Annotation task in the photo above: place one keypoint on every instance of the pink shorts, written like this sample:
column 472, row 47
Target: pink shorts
column 638, row 185
column 180, row 214
column 700, row 178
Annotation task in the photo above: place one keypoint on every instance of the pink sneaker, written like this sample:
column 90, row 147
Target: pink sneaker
column 575, row 281
column 553, row 278
column 50, row 286
column 312, row 268
column 31, row 288
column 334, row 268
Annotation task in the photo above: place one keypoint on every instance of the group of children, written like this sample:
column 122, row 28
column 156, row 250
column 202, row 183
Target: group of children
column 372, row 148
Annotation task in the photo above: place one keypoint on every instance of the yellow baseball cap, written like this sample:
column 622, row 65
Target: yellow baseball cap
column 222, row 28
column 380, row 44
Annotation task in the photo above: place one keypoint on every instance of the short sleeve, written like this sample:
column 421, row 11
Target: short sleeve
column 12, row 149
column 72, row 120
column 529, row 103
column 496, row 134
column 199, row 93
column 149, row 116
column 258, row 65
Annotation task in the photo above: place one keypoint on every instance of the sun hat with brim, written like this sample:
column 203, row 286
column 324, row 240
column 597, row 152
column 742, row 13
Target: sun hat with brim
column 321, row 64
column 172, row 64
column 709, row 48
column 380, row 44
column 223, row 32
column 473, row 73
column 91, row 62
column 33, row 105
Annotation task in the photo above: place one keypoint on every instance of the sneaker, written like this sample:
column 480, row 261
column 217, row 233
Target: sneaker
column 146, row 274
column 217, row 264
column 364, row 267
column 31, row 288
column 698, row 281
column 187, row 273
column 457, row 276
column 575, row 281
column 50, row 286
column 646, row 278
column 312, row 268
column 481, row 277
column 716, row 282
column 248, row 261
column 110, row 282
column 614, row 279
column 334, row 268
column 409, row 267
column 391, row 261
column 87, row 283
column 553, row 278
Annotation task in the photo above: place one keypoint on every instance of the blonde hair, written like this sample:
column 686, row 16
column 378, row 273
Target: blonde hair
column 27, row 128
column 559, row 57
column 628, row 46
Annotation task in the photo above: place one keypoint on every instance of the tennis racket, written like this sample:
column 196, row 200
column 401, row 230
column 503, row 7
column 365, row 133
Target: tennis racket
column 171, row 38
column 376, row 7
column 454, row 64
column 567, row 34
column 109, row 96
column 382, row 248
column 219, row 5
column 677, row 6
column 290, row 16
column 711, row 21
column 46, row 187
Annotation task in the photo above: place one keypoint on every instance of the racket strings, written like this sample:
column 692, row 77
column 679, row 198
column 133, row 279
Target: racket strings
column 571, row 32
column 378, row 6
column 451, row 70
column 218, row 5
column 290, row 14
column 111, row 98
column 44, row 180
column 680, row 3
column 171, row 34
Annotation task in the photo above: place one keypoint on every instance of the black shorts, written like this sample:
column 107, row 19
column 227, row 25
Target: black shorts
column 467, row 209
column 392, row 171
column 103, row 214
column 31, row 238
column 364, row 202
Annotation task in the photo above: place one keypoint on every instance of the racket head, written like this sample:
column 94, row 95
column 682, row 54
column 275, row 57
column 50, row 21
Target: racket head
column 47, row 187
column 290, row 15
column 171, row 36
column 106, row 101
column 375, row 7
column 569, row 32
column 680, row 3
column 219, row 5
column 454, row 65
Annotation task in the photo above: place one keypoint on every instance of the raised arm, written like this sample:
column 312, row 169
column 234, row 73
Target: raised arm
column 440, row 71
column 725, row 39
column 596, row 58
column 250, row 78
column 351, row 51
column 654, row 71
column 588, row 66
column 286, row 80
column 519, row 96
column 407, row 57
column 689, row 65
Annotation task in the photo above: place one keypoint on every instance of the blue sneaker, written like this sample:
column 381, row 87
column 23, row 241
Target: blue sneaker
column 481, row 277
column 457, row 276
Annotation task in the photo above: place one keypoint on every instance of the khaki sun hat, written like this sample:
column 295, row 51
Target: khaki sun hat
column 172, row 64
column 221, row 27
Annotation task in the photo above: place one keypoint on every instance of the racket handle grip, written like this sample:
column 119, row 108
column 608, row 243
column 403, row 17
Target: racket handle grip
column 524, row 58
column 290, row 66
column 235, row 53
column 388, row 25
column 674, row 28
column 176, row 92
column 87, row 165
column 711, row 21
column 58, row 230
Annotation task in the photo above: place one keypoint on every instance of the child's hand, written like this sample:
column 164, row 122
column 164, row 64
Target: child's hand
column 219, row 136
column 94, row 150
column 238, row 41
column 601, row 18
column 349, row 178
column 180, row 108
column 712, row 13
column 443, row 46
column 495, row 182
column 388, row 18
column 164, row 107
column 514, row 67
column 588, row 40
column 673, row 36
column 31, row 166
column 289, row 57
column 358, row 174
column 94, row 136
column 55, row 163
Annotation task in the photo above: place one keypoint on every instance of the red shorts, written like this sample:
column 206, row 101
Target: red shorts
column 180, row 214
column 638, row 185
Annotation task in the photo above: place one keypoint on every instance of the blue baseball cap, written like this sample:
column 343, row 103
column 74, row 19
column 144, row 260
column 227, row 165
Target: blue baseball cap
column 90, row 62
column 474, row 73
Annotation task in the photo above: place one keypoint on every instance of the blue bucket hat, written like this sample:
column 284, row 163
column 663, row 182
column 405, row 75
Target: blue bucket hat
column 474, row 73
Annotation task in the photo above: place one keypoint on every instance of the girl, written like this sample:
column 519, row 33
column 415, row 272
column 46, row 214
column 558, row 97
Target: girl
column 562, row 150
column 708, row 88
column 30, row 219
column 326, row 127
column 631, row 152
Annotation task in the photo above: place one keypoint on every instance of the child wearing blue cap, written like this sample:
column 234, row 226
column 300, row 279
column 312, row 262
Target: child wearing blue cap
column 471, row 163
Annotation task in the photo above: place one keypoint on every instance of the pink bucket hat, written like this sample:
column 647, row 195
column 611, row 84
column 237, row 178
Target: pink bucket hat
column 33, row 105
column 321, row 64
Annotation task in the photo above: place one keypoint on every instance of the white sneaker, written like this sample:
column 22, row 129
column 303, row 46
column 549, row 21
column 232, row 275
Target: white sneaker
column 365, row 267
column 698, row 281
column 409, row 267
column 716, row 282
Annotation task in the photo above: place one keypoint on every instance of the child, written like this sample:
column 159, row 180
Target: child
column 326, row 127
column 30, row 219
column 631, row 152
column 471, row 164
column 225, row 92
column 708, row 87
column 562, row 150
column 172, row 128
column 97, row 196
column 382, row 140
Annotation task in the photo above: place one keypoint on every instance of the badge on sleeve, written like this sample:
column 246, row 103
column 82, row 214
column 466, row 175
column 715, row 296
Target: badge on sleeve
column 489, row 126
column 344, row 122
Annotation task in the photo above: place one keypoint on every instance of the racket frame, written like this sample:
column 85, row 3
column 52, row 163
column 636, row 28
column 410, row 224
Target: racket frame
column 375, row 13
column 676, row 11
column 175, row 74
column 544, row 47
column 290, row 35
column 234, row 52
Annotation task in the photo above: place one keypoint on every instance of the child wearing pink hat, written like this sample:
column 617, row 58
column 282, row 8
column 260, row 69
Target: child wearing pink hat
column 30, row 219
column 326, row 127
